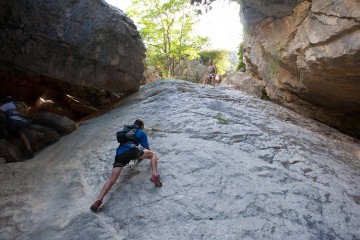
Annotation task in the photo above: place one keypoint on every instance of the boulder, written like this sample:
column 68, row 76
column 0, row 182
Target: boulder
column 41, row 136
column 81, row 42
column 151, row 74
column 190, row 70
column 13, row 149
column 307, row 53
column 61, row 124
column 84, row 109
column 244, row 82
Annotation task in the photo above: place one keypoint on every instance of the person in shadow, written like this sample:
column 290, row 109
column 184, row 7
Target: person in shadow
column 14, row 123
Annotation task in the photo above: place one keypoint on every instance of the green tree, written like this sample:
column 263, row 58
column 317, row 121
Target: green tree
column 241, row 64
column 166, row 27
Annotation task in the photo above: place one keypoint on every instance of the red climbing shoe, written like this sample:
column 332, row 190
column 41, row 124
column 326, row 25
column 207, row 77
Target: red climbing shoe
column 156, row 180
column 96, row 205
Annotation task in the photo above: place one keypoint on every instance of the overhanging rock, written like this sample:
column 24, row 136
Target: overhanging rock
column 81, row 42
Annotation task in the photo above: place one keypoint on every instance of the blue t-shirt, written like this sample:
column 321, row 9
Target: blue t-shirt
column 141, row 138
column 15, row 115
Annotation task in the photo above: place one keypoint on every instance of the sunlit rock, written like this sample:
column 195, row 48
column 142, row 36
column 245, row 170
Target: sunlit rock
column 308, row 54
column 233, row 167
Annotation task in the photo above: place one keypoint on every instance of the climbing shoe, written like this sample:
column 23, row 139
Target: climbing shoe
column 156, row 180
column 96, row 205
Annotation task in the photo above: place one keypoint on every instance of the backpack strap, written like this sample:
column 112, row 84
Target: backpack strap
column 128, row 134
column 136, row 128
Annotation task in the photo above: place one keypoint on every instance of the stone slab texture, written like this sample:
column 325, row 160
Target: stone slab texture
column 308, row 55
column 233, row 167
column 82, row 42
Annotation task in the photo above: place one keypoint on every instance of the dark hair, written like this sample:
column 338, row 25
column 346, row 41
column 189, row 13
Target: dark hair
column 139, row 122
column 7, row 99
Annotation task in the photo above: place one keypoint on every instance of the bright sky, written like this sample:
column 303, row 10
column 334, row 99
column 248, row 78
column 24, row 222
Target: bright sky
column 222, row 24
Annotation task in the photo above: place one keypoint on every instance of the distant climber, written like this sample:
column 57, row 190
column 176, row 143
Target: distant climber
column 128, row 150
column 15, row 123
column 210, row 73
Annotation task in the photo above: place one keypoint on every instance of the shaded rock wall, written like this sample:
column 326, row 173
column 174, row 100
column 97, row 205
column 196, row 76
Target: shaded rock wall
column 43, row 130
column 80, row 42
column 43, row 94
column 308, row 55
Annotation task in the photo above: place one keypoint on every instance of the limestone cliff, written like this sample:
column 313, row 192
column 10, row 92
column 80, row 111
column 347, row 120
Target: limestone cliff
column 308, row 55
column 81, row 42
column 233, row 167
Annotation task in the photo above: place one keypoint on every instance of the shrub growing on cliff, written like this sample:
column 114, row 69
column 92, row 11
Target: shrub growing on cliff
column 241, row 64
column 221, row 119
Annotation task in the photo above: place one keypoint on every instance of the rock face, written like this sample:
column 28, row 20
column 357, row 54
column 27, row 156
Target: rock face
column 233, row 167
column 151, row 74
column 308, row 55
column 244, row 82
column 191, row 70
column 81, row 42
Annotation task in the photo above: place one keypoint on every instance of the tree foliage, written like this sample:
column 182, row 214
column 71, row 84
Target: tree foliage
column 241, row 64
column 166, row 27
column 205, row 5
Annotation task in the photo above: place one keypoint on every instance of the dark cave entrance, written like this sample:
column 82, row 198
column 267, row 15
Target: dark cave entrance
column 43, row 94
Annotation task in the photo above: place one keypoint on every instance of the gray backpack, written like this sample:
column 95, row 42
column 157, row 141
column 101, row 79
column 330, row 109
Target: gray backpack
column 127, row 134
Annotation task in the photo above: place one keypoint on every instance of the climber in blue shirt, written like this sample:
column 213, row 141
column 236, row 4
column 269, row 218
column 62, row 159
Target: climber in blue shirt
column 128, row 150
column 141, row 138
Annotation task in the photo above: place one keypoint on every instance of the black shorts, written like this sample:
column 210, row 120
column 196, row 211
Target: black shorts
column 18, row 126
column 123, row 159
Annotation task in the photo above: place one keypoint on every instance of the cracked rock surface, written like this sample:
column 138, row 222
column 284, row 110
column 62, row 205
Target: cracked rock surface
column 307, row 54
column 233, row 167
